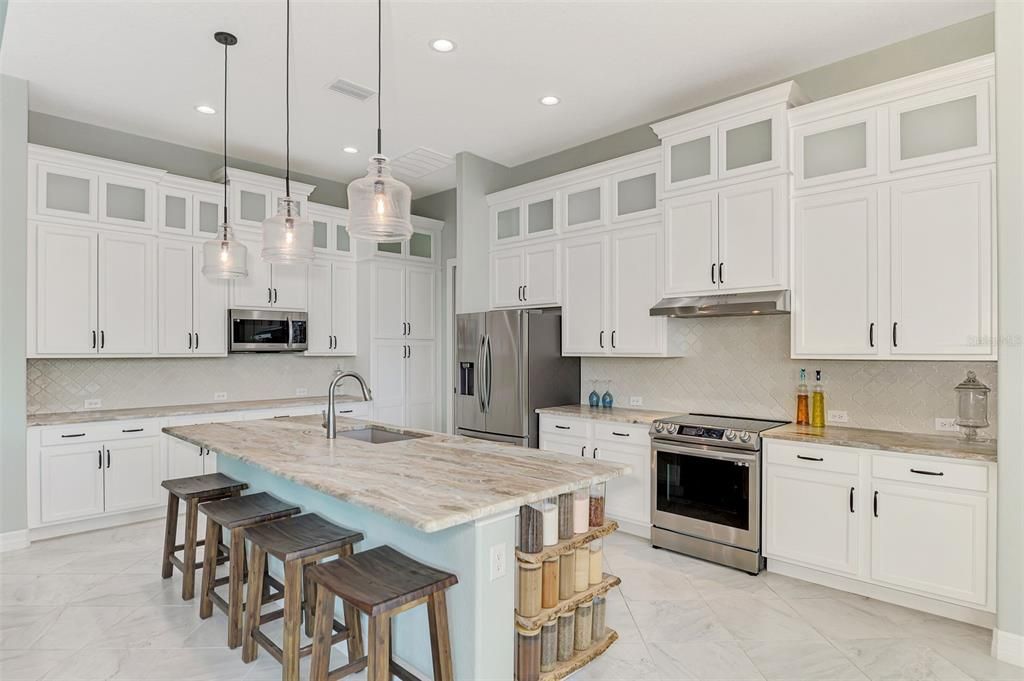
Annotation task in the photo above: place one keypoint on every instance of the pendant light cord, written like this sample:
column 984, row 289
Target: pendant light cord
column 287, row 100
column 225, row 139
column 379, row 40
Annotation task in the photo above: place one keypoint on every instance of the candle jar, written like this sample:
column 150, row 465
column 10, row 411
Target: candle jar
column 584, row 625
column 566, row 575
column 529, row 590
column 581, row 510
column 581, row 576
column 971, row 406
column 600, row 608
column 549, row 583
column 531, row 528
column 565, row 515
column 596, row 561
column 549, row 513
column 527, row 654
column 566, row 635
column 548, row 646
column 597, row 505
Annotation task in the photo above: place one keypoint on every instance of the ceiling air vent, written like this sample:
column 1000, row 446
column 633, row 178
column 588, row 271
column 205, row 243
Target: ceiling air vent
column 353, row 90
column 420, row 162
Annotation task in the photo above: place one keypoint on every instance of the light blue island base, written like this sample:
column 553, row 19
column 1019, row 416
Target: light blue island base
column 481, row 611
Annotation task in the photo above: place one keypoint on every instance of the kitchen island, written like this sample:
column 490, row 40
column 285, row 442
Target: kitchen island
column 446, row 500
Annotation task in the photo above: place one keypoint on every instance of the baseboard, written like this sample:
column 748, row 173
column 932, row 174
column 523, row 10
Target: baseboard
column 97, row 523
column 962, row 613
column 14, row 540
column 633, row 527
column 1008, row 647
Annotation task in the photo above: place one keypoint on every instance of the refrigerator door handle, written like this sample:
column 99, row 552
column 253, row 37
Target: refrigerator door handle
column 487, row 360
column 479, row 376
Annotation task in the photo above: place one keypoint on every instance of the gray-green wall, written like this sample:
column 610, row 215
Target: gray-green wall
column 13, row 245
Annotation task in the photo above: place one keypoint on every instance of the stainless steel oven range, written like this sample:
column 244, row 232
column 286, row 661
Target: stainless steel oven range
column 706, row 487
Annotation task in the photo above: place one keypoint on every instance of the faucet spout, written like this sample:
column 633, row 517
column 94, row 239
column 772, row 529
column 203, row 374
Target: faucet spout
column 332, row 425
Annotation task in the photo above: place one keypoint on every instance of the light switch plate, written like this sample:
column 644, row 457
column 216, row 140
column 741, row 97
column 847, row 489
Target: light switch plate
column 498, row 561
column 93, row 404
column 948, row 425
column 220, row 397
column 301, row 392
column 837, row 416
column 636, row 401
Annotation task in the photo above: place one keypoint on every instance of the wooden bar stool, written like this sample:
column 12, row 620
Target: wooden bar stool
column 299, row 542
column 380, row 582
column 235, row 515
column 192, row 490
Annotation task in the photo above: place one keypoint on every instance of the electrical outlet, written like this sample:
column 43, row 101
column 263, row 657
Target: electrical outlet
column 93, row 404
column 301, row 392
column 497, row 561
column 636, row 401
column 220, row 397
column 837, row 416
column 947, row 425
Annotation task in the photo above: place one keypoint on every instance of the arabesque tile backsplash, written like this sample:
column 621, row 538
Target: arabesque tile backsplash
column 741, row 366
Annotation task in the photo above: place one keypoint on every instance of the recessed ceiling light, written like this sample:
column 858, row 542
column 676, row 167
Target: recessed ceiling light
column 549, row 100
column 350, row 150
column 442, row 45
column 206, row 109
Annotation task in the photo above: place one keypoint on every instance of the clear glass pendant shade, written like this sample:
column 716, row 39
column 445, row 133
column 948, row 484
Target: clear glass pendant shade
column 287, row 236
column 379, row 205
column 225, row 257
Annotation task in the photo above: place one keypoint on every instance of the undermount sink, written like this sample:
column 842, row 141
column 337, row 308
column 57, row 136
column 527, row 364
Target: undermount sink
column 377, row 436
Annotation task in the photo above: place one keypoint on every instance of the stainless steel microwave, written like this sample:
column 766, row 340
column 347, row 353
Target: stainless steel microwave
column 266, row 331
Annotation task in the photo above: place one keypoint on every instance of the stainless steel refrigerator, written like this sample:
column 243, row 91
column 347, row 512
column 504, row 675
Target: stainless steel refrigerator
column 509, row 364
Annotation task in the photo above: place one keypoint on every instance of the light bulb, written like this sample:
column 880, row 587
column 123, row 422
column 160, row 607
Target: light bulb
column 289, row 235
column 224, row 251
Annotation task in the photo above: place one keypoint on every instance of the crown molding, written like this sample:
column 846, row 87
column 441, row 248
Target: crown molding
column 788, row 94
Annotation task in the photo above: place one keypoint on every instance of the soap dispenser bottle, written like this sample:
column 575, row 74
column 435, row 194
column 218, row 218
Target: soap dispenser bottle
column 802, row 417
column 818, row 402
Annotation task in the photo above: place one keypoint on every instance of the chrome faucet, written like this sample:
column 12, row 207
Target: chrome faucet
column 331, row 416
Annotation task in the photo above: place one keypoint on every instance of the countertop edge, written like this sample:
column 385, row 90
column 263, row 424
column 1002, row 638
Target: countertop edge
column 859, row 441
column 629, row 415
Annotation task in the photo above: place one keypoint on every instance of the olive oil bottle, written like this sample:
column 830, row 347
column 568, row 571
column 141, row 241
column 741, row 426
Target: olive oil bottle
column 818, row 402
column 802, row 413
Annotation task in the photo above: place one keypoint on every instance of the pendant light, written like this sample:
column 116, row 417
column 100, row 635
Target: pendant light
column 378, row 204
column 287, row 236
column 225, row 257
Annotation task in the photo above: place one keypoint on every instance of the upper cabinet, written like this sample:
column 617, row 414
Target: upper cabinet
column 330, row 230
column 255, row 197
column 929, row 122
column 585, row 205
column 187, row 207
column 741, row 138
column 635, row 193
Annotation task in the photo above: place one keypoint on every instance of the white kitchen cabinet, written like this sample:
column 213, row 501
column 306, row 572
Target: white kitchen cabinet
column 835, row 274
column 585, row 205
column 542, row 214
column 126, row 300
column 332, row 308
column 836, row 149
column 584, row 295
column 188, row 207
column 752, row 143
column 403, row 301
column 420, row 297
column 527, row 276
column 71, row 482
column 635, row 193
column 389, row 382
column 691, row 158
column 174, row 211
column 811, row 517
column 507, row 222
column 191, row 309
column 628, row 497
column 268, row 285
column 127, row 201
column 65, row 300
column 132, row 474
column 289, row 282
column 940, row 243
column 950, row 124
column 207, row 214
column 66, row 192
column 930, row 540
column 184, row 459
column 691, row 244
column 405, row 383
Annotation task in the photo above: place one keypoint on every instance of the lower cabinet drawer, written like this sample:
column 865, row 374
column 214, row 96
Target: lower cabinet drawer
column 812, row 457
column 557, row 425
column 933, row 471
column 98, row 432
column 623, row 433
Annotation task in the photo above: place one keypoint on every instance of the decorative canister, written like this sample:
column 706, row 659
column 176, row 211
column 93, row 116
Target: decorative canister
column 566, row 575
column 566, row 635
column 597, row 505
column 549, row 583
column 583, row 628
column 548, row 646
column 600, row 608
column 527, row 654
column 565, row 516
column 529, row 590
column 581, row 575
column 596, row 561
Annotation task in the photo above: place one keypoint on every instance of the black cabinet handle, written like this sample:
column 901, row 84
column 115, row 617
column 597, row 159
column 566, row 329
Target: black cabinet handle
column 345, row 411
column 74, row 435
column 914, row 470
column 620, row 434
column 809, row 458
column 103, row 339
column 275, row 296
column 525, row 297
column 108, row 458
column 132, row 430
column 189, row 340
column 594, row 453
column 613, row 338
column 94, row 339
column 713, row 265
column 600, row 339
column 270, row 295
column 197, row 340
column 562, row 427
column 721, row 273
column 871, row 334
column 876, row 504
column 100, row 459
column 200, row 451
column 583, row 450
column 894, row 343
column 851, row 500
column 410, row 351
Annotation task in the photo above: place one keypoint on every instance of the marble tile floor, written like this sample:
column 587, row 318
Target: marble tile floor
column 93, row 607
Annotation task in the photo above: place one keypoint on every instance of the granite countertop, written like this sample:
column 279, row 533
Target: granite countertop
column 616, row 414
column 907, row 443
column 430, row 483
column 66, row 418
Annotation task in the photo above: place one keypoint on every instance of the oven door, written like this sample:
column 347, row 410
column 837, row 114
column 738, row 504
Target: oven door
column 708, row 493
column 260, row 331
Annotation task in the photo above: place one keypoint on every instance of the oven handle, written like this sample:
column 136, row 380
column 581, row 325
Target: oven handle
column 660, row 446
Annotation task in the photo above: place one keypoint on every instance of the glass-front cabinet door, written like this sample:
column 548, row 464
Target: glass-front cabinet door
column 692, row 158
column 585, row 205
column 751, row 143
column 66, row 192
column 835, row 149
column 541, row 215
column 342, row 241
column 126, row 201
column 507, row 222
column 207, row 213
column 250, row 205
column 635, row 193
column 175, row 212
column 947, row 125
column 321, row 230
column 421, row 246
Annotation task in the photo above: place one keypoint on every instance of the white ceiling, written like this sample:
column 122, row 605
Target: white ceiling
column 141, row 66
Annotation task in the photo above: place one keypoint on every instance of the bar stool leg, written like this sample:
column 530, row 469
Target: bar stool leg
column 254, row 604
column 355, row 638
column 170, row 536
column 210, row 568
column 378, row 666
column 323, row 632
column 308, row 600
column 236, row 579
column 188, row 572
column 292, row 620
column 440, row 644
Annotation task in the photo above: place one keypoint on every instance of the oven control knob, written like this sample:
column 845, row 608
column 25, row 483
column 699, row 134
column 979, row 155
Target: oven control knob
column 744, row 437
column 730, row 435
column 672, row 428
column 659, row 427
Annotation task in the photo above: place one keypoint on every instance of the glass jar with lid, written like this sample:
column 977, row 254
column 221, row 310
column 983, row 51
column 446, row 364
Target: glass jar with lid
column 971, row 406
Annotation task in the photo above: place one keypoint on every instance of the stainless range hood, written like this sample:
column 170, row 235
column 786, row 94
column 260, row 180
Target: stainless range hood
column 728, row 305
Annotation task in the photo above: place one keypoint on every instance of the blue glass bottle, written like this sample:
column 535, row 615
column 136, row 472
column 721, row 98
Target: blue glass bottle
column 594, row 399
column 606, row 399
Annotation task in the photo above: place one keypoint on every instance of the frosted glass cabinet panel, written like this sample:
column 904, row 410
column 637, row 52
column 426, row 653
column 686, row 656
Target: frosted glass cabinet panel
column 507, row 222
column 319, row 233
column 690, row 160
column 66, row 192
column 175, row 212
column 583, row 207
column 748, row 145
column 342, row 241
column 421, row 245
column 208, row 214
column 125, row 203
column 835, row 151
column 252, row 206
column 947, row 125
column 540, row 216
column 635, row 193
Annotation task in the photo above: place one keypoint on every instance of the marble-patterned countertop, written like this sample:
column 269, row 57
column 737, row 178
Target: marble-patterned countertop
column 616, row 414
column 907, row 443
column 66, row 418
column 430, row 483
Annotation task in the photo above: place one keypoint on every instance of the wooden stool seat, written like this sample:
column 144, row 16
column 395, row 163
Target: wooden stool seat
column 192, row 490
column 300, row 542
column 235, row 515
column 381, row 583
